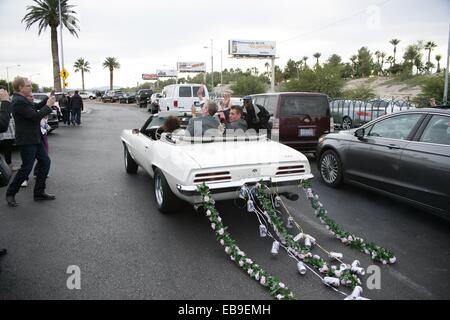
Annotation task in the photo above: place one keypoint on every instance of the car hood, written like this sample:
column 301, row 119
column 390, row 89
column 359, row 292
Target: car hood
column 228, row 154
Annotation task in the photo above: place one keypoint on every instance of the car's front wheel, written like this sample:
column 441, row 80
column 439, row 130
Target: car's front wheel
column 130, row 165
column 165, row 199
column 330, row 168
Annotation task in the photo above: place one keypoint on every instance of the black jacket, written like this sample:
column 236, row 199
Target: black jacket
column 76, row 102
column 27, row 117
column 257, row 118
column 5, row 115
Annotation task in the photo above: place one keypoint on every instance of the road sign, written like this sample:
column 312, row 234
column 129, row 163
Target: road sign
column 64, row 73
column 66, row 84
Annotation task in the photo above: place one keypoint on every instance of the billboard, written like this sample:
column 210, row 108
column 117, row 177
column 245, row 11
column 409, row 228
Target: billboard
column 191, row 66
column 167, row 73
column 251, row 48
column 149, row 76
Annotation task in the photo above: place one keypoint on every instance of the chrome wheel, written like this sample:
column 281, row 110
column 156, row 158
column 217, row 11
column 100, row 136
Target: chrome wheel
column 329, row 168
column 159, row 190
column 347, row 123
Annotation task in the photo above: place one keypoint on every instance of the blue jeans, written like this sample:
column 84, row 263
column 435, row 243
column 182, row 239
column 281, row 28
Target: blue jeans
column 76, row 116
column 29, row 153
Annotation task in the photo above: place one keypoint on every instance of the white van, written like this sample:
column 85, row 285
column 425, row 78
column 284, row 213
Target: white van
column 180, row 96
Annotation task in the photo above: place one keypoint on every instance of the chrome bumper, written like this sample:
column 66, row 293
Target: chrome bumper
column 232, row 186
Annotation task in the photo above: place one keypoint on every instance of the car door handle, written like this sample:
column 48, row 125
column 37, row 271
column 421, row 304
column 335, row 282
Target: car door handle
column 393, row 146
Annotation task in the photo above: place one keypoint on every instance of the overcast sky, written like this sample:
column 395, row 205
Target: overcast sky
column 148, row 35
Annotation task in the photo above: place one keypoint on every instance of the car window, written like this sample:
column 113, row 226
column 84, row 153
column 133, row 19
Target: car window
column 395, row 127
column 313, row 106
column 260, row 100
column 185, row 92
column 271, row 104
column 437, row 130
column 195, row 90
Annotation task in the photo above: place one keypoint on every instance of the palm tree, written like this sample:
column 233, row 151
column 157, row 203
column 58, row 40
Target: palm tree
column 390, row 60
column 394, row 42
column 111, row 63
column 382, row 55
column 317, row 56
column 83, row 66
column 438, row 59
column 46, row 14
column 430, row 45
column 267, row 65
column 304, row 59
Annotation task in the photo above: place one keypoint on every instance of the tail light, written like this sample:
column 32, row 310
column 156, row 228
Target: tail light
column 212, row 177
column 175, row 103
column 285, row 170
column 331, row 124
column 363, row 114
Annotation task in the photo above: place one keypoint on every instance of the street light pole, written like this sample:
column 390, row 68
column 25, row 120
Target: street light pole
column 61, row 40
column 212, row 65
column 7, row 76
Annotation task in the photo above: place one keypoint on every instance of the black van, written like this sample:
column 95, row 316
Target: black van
column 298, row 118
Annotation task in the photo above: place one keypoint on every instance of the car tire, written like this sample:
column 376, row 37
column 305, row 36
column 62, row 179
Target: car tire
column 330, row 168
column 165, row 199
column 347, row 123
column 130, row 165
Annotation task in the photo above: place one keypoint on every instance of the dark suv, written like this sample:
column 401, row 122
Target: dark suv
column 143, row 97
column 298, row 119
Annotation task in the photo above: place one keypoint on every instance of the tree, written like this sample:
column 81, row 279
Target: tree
column 267, row 65
column 430, row 45
column 291, row 70
column 438, row 59
column 394, row 42
column 354, row 59
column 317, row 55
column 334, row 60
column 83, row 66
column 365, row 62
column 412, row 57
column 304, row 61
column 111, row 63
column 46, row 14
column 247, row 85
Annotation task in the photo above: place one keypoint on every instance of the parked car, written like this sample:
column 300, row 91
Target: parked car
column 180, row 96
column 298, row 119
column 178, row 164
column 153, row 107
column 56, row 115
column 349, row 114
column 87, row 95
column 111, row 96
column 128, row 97
column 405, row 155
column 143, row 97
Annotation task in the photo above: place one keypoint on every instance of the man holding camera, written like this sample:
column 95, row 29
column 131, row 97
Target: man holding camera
column 27, row 117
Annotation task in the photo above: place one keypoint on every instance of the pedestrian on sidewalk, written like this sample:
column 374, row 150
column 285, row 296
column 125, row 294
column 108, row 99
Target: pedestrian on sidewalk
column 76, row 105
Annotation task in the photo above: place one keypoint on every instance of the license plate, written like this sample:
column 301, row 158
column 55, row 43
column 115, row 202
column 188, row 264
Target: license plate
column 306, row 132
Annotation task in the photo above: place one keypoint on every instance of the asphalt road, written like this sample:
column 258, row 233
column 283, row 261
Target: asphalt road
column 106, row 222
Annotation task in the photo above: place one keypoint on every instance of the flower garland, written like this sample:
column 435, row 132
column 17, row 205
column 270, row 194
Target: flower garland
column 276, row 288
column 378, row 253
column 347, row 274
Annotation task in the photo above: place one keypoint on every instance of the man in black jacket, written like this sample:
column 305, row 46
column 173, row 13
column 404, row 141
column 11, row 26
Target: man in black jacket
column 76, row 106
column 27, row 117
column 256, row 116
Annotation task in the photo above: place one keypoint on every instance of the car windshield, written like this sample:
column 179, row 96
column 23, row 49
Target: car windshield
column 313, row 106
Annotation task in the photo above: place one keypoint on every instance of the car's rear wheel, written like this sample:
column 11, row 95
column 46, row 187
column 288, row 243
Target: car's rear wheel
column 347, row 123
column 130, row 165
column 165, row 199
column 330, row 168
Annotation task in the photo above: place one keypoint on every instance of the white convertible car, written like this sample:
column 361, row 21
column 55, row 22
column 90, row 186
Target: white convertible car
column 179, row 164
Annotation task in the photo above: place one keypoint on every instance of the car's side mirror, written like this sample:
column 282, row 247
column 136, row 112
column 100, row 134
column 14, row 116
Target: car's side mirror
column 360, row 133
